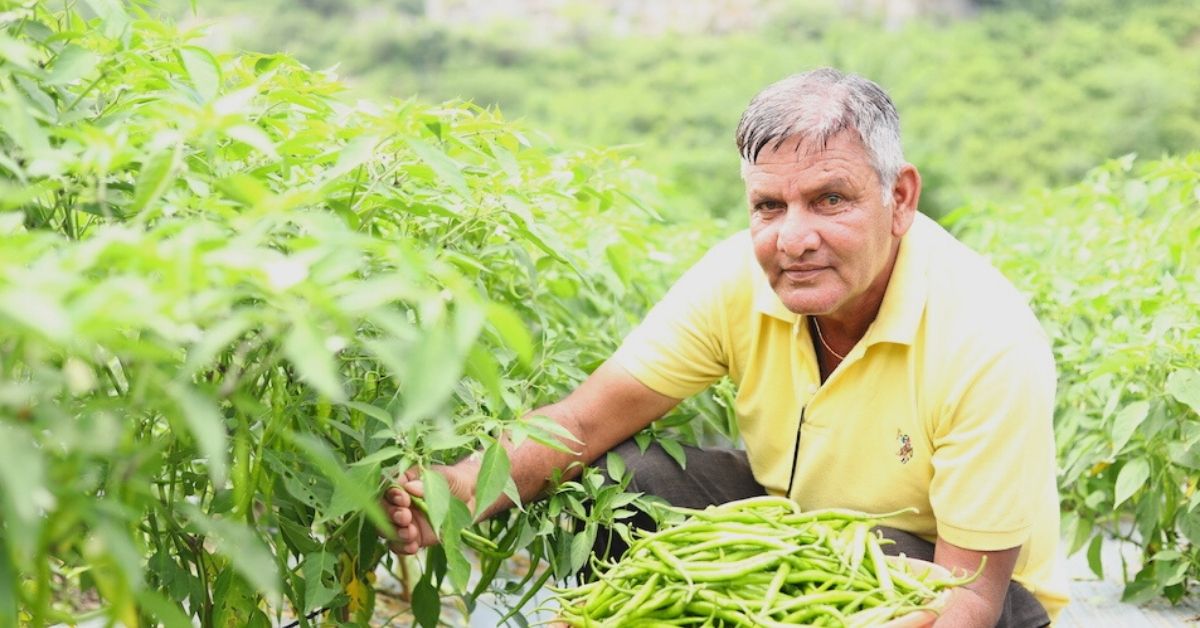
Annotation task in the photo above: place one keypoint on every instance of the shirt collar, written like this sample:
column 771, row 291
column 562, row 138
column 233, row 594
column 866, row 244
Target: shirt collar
column 903, row 302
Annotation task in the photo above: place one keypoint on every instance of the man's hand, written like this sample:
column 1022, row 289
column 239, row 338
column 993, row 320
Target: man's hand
column 981, row 602
column 413, row 530
column 609, row 407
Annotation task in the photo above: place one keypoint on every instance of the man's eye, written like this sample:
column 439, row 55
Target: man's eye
column 767, row 205
column 833, row 199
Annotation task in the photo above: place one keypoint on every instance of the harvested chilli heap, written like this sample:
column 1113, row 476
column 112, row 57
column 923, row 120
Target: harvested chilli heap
column 755, row 562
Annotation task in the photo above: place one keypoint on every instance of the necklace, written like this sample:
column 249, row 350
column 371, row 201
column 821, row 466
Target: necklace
column 821, row 337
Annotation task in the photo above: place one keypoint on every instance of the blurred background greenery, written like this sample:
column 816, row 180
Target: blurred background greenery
column 997, row 97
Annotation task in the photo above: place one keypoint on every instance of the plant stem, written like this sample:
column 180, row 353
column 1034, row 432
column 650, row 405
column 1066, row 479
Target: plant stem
column 41, row 603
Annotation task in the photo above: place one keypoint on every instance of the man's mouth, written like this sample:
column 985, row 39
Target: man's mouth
column 802, row 272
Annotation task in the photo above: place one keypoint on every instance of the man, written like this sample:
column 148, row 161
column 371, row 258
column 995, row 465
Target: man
column 880, row 364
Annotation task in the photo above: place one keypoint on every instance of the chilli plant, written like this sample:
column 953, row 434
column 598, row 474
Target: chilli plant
column 233, row 301
column 1112, row 266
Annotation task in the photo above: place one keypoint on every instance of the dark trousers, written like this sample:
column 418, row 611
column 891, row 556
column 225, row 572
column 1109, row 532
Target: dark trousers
column 716, row 476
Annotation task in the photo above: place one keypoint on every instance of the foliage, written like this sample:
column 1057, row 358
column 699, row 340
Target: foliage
column 1010, row 101
column 1112, row 269
column 232, row 301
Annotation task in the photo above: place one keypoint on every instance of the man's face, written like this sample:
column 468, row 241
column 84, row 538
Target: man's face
column 822, row 231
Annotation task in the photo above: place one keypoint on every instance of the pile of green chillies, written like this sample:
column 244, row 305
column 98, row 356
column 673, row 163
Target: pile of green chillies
column 755, row 562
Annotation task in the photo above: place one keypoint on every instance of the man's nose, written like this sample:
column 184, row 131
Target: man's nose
column 798, row 233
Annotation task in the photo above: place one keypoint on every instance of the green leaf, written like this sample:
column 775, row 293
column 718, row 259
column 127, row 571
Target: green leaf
column 618, row 258
column 112, row 15
column 202, row 69
column 1094, row 555
column 306, row 350
column 581, row 547
column 22, row 475
column 1127, row 422
column 675, row 450
column 1184, row 456
column 426, row 604
column 254, row 137
column 1184, row 385
column 244, row 189
column 215, row 340
column 9, row 585
column 206, row 425
column 317, row 566
column 546, row 430
column 483, row 368
column 164, row 610
column 446, row 169
column 513, row 493
column 492, row 478
column 371, row 410
column 512, row 330
column 1132, row 477
column 458, row 518
column 155, row 177
column 437, row 497
column 357, row 152
column 1142, row 589
column 387, row 453
column 351, row 492
column 1172, row 572
column 119, row 550
column 242, row 547
column 616, row 466
column 41, row 313
column 1189, row 525
column 354, row 490
column 1077, row 530
column 71, row 64
column 299, row 537
column 432, row 371
column 18, row 54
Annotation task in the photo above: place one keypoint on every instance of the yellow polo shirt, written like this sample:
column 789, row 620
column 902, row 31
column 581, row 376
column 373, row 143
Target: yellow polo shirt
column 946, row 404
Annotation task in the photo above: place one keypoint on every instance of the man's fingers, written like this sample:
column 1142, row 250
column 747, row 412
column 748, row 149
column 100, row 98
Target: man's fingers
column 404, row 548
column 412, row 530
column 402, row 516
column 399, row 497
column 407, row 534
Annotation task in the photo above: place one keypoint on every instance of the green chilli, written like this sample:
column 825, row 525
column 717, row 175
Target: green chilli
column 755, row 562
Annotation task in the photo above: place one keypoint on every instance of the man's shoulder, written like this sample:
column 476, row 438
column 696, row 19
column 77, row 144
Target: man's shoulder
column 971, row 303
column 735, row 250
column 728, row 265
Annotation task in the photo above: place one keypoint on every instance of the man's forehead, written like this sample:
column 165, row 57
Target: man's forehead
column 823, row 165
column 797, row 148
column 767, row 185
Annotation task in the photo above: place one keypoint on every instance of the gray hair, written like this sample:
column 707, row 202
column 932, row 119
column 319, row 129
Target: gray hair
column 819, row 104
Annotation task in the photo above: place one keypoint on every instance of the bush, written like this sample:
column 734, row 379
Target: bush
column 1111, row 267
column 233, row 301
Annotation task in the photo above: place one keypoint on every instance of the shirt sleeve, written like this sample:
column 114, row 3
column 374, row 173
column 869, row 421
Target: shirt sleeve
column 679, row 349
column 994, row 449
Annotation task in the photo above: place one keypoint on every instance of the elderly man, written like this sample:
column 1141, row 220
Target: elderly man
column 880, row 364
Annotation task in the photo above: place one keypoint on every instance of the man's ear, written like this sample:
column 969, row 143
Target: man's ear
column 906, row 192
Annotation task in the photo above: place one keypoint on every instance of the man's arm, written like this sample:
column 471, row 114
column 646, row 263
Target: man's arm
column 609, row 407
column 980, row 603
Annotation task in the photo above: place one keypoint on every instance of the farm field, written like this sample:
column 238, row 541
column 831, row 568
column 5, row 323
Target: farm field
column 238, row 291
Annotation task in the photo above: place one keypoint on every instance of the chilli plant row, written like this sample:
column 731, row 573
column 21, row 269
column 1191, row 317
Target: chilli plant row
column 233, row 301
column 1112, row 266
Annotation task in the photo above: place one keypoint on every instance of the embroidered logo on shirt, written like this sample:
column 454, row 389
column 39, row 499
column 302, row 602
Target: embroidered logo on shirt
column 905, row 452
